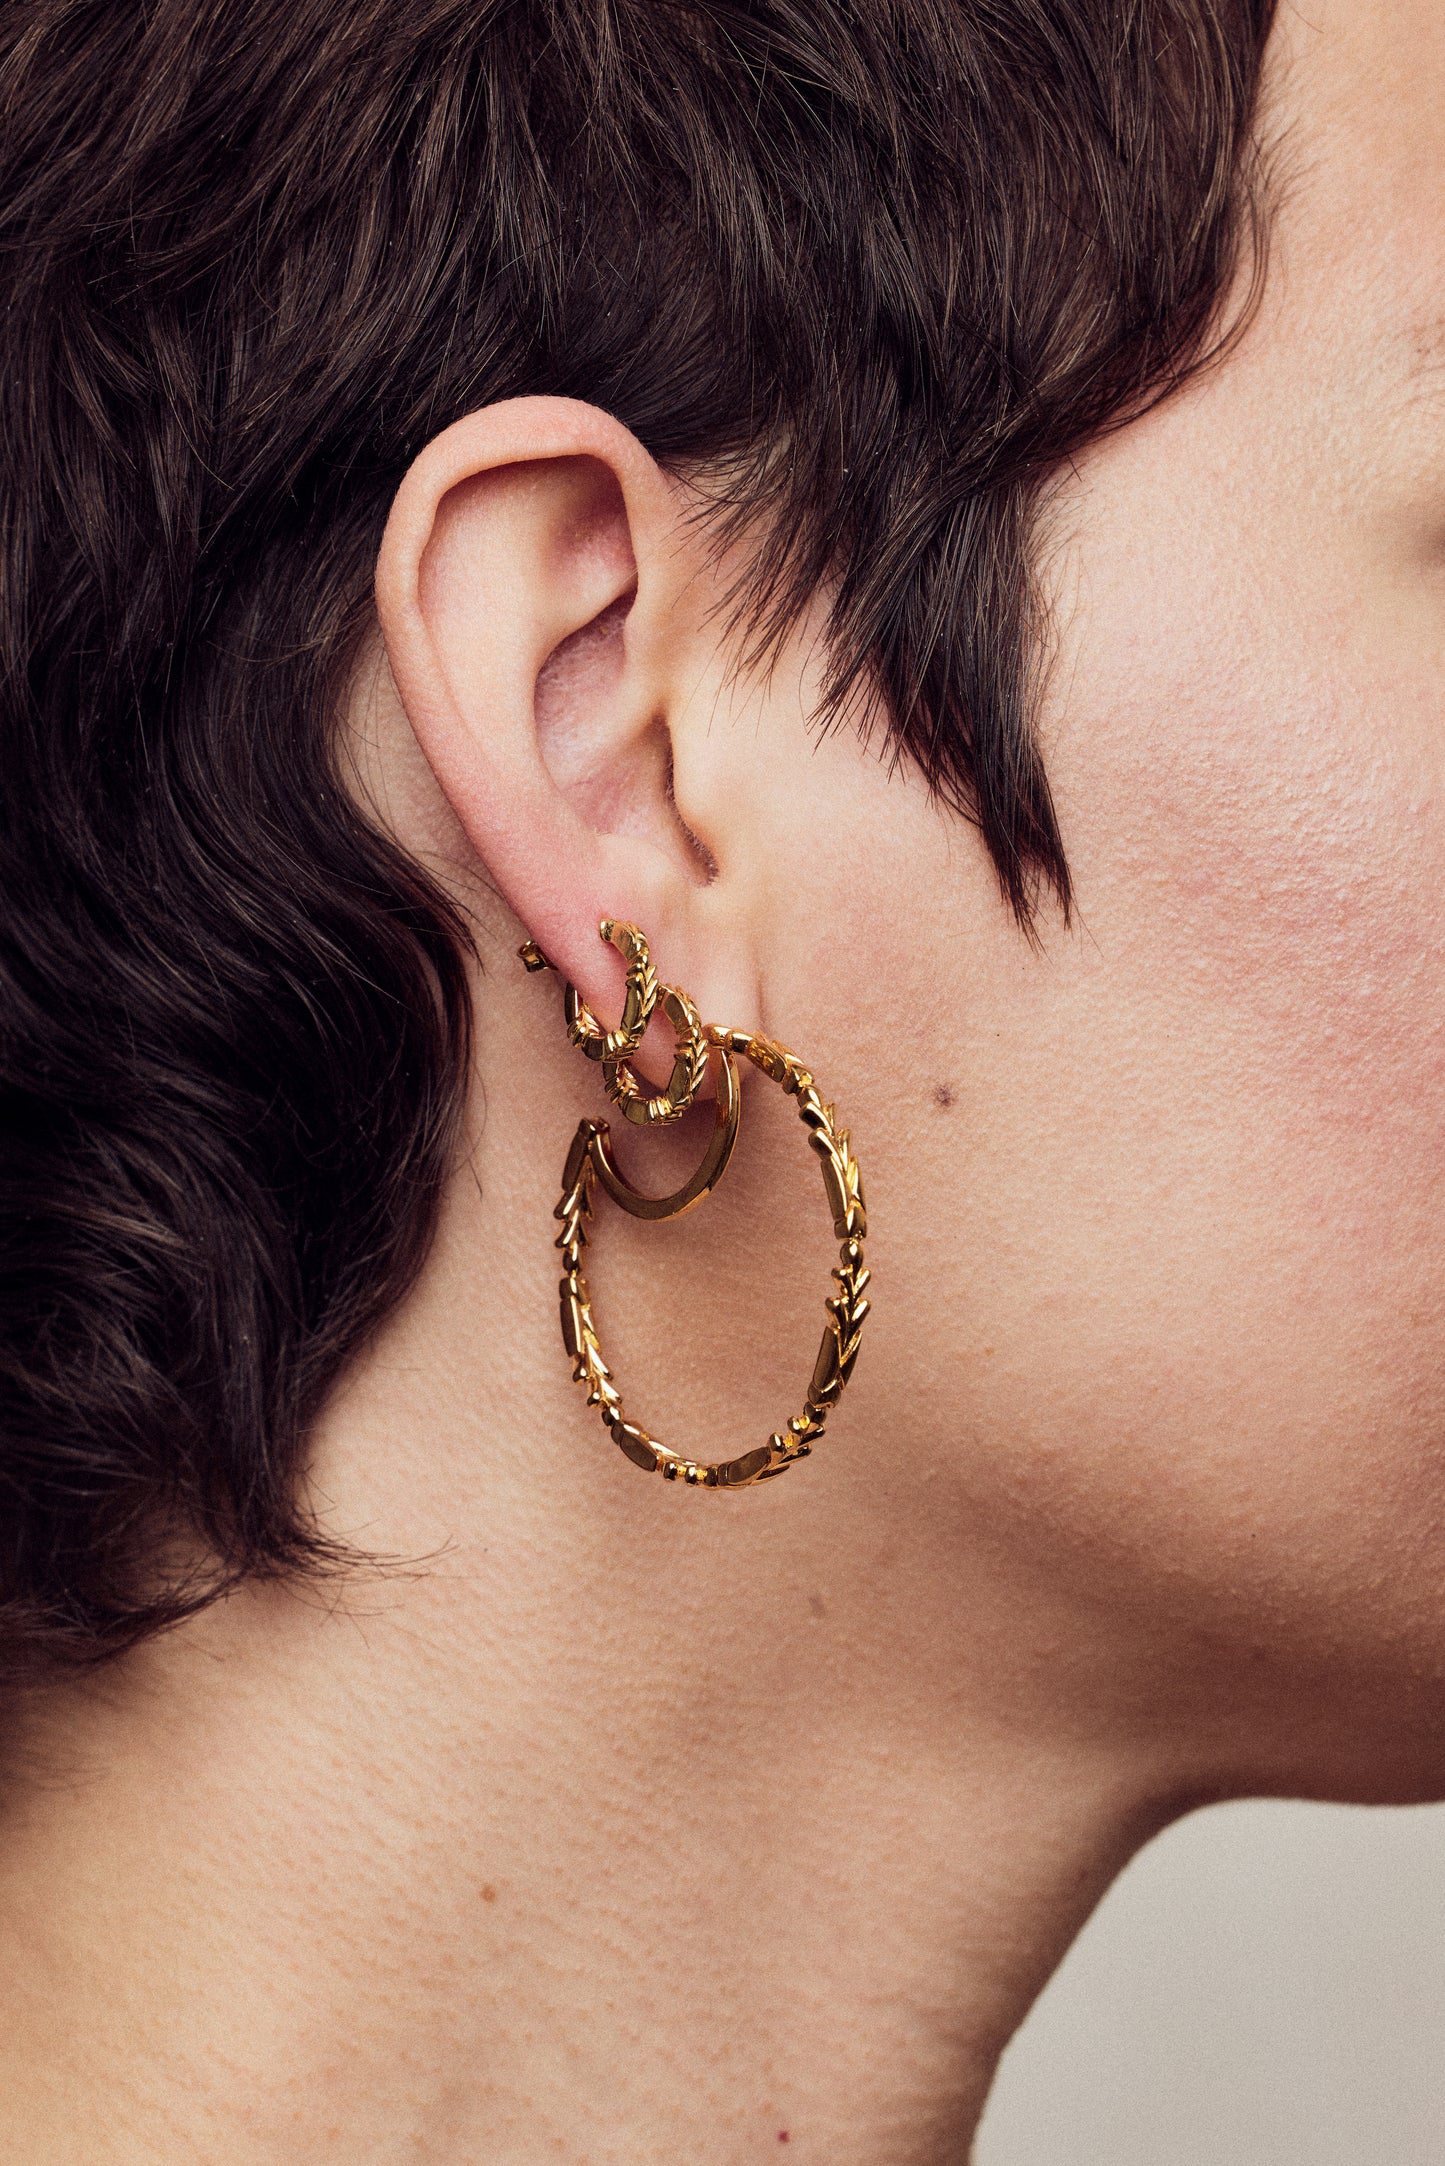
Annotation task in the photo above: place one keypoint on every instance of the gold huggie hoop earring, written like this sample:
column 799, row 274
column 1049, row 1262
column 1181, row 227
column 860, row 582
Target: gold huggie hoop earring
column 590, row 1160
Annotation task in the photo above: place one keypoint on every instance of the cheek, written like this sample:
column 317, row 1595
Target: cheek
column 1258, row 835
column 1230, row 1222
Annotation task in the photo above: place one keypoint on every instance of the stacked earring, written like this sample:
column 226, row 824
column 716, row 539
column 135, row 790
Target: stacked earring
column 590, row 1162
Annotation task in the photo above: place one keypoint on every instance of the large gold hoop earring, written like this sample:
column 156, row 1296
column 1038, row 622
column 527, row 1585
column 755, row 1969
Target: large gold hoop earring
column 590, row 1162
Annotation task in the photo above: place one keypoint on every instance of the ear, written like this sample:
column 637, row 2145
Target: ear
column 549, row 611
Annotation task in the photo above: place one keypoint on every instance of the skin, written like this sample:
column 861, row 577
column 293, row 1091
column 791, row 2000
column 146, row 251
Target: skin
column 630, row 1824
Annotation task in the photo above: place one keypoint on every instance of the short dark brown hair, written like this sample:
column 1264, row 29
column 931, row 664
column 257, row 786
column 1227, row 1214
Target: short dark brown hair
column 877, row 265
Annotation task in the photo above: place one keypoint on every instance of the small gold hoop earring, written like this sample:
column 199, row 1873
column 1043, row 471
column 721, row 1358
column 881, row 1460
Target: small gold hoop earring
column 590, row 1162
column 638, row 1001
column 688, row 1069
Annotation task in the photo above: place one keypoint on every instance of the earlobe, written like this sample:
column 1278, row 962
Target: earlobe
column 533, row 593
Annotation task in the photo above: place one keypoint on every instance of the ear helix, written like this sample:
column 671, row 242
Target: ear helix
column 590, row 1161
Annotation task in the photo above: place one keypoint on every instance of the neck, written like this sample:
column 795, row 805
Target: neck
column 691, row 1823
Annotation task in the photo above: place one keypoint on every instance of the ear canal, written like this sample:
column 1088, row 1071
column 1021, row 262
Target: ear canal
column 616, row 775
column 704, row 866
column 577, row 687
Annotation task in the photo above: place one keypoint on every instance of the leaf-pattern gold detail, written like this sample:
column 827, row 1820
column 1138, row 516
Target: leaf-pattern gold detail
column 688, row 1068
column 639, row 999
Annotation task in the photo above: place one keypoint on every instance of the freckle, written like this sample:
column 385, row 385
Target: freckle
column 817, row 1605
column 943, row 1094
column 489, row 1894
